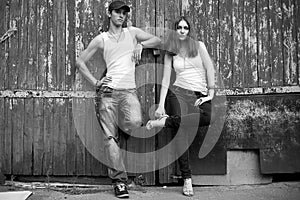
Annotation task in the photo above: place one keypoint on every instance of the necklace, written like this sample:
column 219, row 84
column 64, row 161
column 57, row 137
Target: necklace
column 117, row 39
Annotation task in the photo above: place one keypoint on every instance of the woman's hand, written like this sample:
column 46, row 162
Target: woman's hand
column 160, row 111
column 137, row 53
column 201, row 100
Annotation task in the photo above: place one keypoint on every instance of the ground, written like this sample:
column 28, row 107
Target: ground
column 273, row 191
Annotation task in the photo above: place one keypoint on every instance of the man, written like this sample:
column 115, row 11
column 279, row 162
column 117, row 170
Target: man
column 116, row 92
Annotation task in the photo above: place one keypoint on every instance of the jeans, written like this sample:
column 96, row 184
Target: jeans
column 182, row 112
column 117, row 109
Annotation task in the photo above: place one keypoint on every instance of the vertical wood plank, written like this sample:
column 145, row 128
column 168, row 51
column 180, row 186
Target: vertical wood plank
column 42, row 44
column 23, row 48
column 38, row 139
column 80, row 148
column 2, row 135
column 264, row 60
column 70, row 140
column 14, row 44
column 48, row 137
column 289, row 42
column 59, row 133
column 17, row 135
column 31, row 61
column 275, row 31
column 238, row 43
column 60, row 23
column 70, row 45
column 29, row 134
column 251, row 72
column 3, row 47
column 226, row 41
column 51, row 45
column 297, row 37
column 7, row 164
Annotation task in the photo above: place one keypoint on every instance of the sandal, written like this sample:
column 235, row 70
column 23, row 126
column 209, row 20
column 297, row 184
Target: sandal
column 187, row 189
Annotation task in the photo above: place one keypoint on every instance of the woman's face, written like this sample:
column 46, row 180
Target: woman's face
column 182, row 30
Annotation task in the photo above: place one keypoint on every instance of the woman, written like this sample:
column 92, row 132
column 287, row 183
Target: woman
column 191, row 94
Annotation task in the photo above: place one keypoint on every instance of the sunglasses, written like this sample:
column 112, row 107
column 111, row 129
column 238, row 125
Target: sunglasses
column 184, row 27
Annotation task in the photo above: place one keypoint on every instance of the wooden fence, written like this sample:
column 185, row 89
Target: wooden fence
column 254, row 43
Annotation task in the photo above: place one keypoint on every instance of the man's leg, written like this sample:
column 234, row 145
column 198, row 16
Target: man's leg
column 131, row 111
column 107, row 115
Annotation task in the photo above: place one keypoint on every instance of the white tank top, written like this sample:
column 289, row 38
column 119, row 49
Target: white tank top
column 120, row 66
column 190, row 73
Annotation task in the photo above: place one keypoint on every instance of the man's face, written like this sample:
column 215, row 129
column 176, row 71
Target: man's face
column 182, row 30
column 118, row 16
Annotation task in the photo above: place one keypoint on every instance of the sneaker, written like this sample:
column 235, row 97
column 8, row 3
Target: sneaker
column 121, row 190
column 187, row 189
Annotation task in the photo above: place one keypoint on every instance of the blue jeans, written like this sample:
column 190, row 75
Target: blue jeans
column 117, row 109
column 182, row 112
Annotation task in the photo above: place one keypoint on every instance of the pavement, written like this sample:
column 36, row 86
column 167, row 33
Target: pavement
column 272, row 191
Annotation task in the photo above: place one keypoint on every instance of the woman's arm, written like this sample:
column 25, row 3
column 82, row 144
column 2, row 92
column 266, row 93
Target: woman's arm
column 210, row 71
column 210, row 74
column 165, row 85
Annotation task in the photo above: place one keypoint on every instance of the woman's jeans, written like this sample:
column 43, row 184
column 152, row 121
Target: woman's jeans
column 117, row 109
column 183, row 113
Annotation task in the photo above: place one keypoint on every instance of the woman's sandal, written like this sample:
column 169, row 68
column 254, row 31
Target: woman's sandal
column 187, row 189
column 156, row 123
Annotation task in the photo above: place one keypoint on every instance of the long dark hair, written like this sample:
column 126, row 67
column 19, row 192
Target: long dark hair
column 173, row 43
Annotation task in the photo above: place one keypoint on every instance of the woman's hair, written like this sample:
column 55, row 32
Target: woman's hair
column 173, row 42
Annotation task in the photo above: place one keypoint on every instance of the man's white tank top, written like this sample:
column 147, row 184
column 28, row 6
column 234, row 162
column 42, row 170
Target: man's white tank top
column 190, row 73
column 118, row 58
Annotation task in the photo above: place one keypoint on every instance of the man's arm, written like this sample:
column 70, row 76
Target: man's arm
column 147, row 40
column 144, row 40
column 95, row 44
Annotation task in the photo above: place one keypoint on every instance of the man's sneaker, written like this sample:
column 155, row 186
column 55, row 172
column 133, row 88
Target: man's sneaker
column 121, row 190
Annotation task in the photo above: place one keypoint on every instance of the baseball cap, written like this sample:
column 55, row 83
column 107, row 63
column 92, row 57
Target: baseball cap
column 115, row 5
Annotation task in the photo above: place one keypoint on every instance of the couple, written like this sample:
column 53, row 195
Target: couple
column 116, row 92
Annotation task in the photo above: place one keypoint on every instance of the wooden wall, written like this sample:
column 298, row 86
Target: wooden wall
column 255, row 45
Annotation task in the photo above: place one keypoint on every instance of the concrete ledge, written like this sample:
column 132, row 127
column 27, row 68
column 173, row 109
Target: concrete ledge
column 242, row 168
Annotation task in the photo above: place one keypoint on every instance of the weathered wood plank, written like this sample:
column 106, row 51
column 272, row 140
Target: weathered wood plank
column 289, row 43
column 17, row 136
column 275, row 39
column 60, row 23
column 8, row 142
column 3, row 46
column 51, row 45
column 59, row 137
column 239, row 60
column 226, row 42
column 297, row 37
column 29, row 134
column 250, row 67
column 70, row 141
column 23, row 45
column 70, row 45
column 39, row 134
column 42, row 44
column 264, row 59
column 48, row 137
column 2, row 134
column 14, row 44
column 30, row 62
column 80, row 128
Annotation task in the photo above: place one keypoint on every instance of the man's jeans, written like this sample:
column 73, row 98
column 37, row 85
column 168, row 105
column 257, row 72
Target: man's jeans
column 117, row 109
